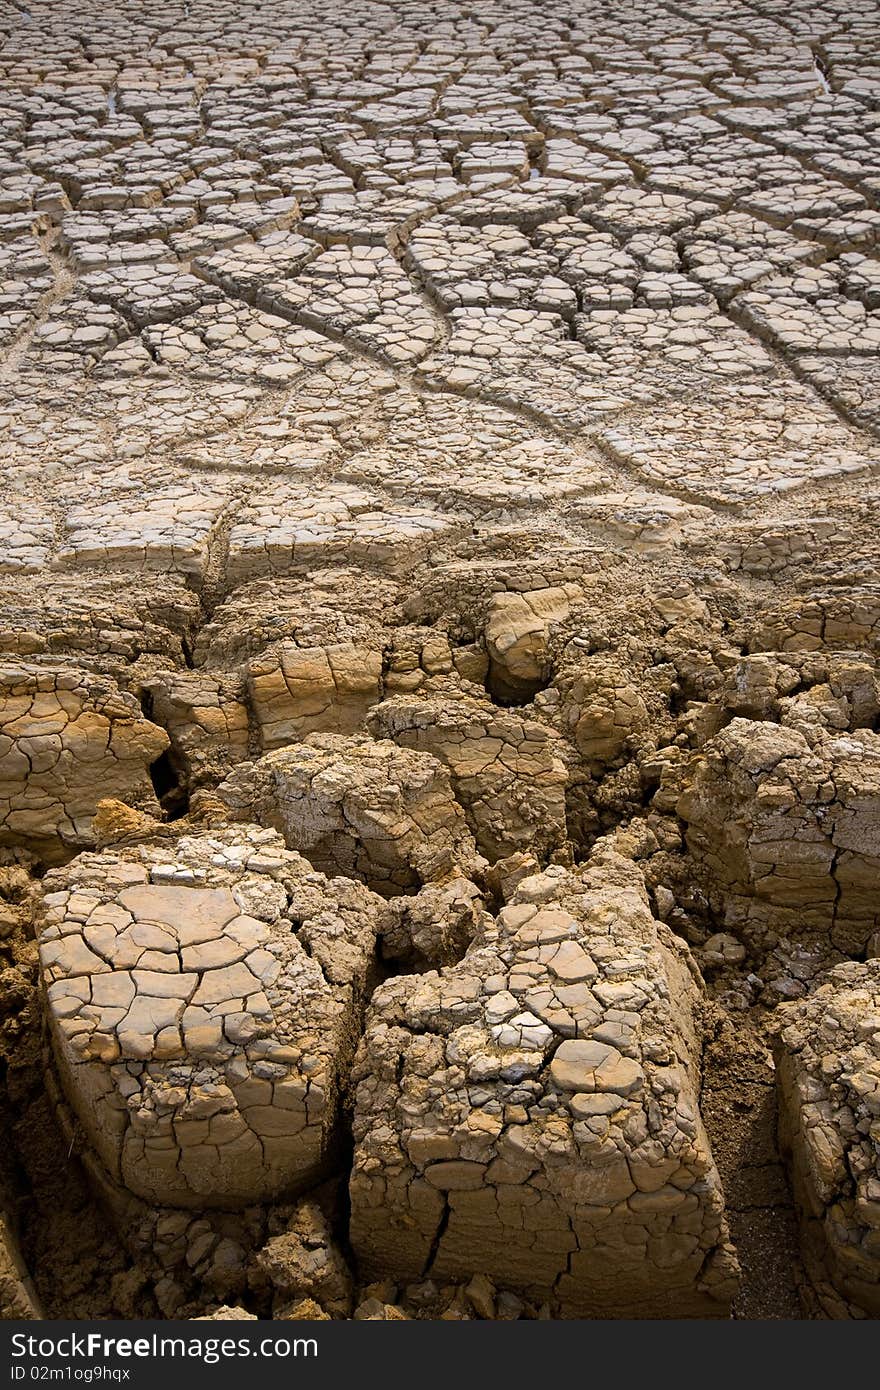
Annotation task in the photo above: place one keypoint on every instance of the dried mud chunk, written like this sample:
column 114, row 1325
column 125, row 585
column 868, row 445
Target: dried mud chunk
column 206, row 720
column 365, row 809
column 168, row 528
column 68, row 739
column 295, row 691
column 849, row 382
column 601, row 710
column 110, row 621
column 27, row 538
column 434, row 927
column 828, row 1074
column 506, row 770
column 202, row 1003
column 788, row 833
column 517, row 636
column 807, row 691
column 530, row 1113
column 336, row 607
column 848, row 620
column 290, row 527
column 761, row 549
column 754, row 686
column 304, row 1261
column 362, row 295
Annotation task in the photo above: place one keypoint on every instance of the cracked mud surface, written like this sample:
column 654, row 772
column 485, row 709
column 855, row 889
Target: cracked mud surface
column 439, row 707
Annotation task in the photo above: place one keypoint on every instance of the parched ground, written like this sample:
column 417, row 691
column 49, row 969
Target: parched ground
column 439, row 619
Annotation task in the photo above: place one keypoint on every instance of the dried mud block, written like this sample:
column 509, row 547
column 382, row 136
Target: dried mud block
column 761, row 549
column 365, row 809
column 333, row 608
column 67, row 739
column 295, row 691
column 517, row 636
column 112, row 620
column 305, row 1261
column 169, row 528
column 27, row 539
column 506, row 770
column 601, row 710
column 807, row 691
column 827, row 1049
column 531, row 1112
column 820, row 620
column 434, row 926
column 206, row 719
column 788, row 830
column 203, row 1004
column 361, row 295
column 288, row 527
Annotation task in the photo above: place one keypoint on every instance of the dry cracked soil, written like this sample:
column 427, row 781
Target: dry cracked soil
column 439, row 703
